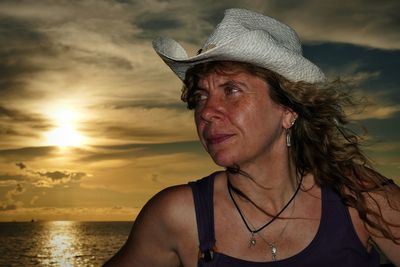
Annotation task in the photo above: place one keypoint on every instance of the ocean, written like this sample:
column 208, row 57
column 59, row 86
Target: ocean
column 60, row 243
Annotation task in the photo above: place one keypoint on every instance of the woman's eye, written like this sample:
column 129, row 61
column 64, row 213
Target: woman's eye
column 199, row 97
column 229, row 90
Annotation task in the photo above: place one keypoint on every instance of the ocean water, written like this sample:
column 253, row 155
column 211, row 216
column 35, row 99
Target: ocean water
column 60, row 243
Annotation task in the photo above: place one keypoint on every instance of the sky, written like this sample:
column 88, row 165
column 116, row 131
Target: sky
column 91, row 122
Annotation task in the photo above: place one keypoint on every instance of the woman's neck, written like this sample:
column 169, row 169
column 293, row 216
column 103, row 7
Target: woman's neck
column 270, row 185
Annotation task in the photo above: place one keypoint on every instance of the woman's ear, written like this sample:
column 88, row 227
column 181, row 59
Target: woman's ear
column 289, row 118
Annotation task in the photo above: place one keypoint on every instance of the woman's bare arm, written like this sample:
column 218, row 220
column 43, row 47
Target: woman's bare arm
column 155, row 237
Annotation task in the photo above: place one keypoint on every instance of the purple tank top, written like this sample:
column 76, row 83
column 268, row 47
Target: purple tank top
column 335, row 244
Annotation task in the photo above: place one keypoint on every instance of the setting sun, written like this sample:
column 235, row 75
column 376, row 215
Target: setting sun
column 65, row 134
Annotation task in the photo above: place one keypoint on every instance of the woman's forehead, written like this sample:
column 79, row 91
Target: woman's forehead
column 238, row 78
column 230, row 77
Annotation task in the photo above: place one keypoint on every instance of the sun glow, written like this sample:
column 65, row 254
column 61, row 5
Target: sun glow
column 65, row 133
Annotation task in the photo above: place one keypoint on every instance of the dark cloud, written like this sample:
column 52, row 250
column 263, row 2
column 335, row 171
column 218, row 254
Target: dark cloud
column 67, row 176
column 19, row 43
column 382, row 87
column 21, row 165
column 386, row 130
column 156, row 102
column 26, row 153
column 157, row 23
column 8, row 131
column 184, row 146
column 12, row 177
column 91, row 58
column 142, row 150
column 56, row 175
column 118, row 131
column 52, row 178
column 345, row 59
column 356, row 22
column 19, row 123
column 15, row 115
column 29, row 51
column 19, row 189
column 47, row 178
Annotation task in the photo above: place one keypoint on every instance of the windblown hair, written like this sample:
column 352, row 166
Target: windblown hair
column 322, row 142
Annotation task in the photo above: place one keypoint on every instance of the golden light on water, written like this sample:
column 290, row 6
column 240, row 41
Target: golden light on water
column 61, row 243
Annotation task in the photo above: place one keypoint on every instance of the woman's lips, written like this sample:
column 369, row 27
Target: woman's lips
column 218, row 138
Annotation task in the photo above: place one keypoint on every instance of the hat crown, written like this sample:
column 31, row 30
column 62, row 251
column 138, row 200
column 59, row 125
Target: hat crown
column 249, row 37
column 237, row 22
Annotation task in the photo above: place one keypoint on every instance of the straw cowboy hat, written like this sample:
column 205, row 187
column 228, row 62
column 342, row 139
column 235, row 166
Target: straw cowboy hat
column 250, row 37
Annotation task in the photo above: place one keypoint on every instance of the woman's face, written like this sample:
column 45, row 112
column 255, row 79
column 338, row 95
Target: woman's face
column 237, row 121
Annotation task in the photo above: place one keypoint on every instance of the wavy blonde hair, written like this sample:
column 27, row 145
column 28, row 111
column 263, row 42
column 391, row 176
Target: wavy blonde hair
column 322, row 142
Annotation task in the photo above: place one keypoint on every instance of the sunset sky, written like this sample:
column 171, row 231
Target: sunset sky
column 91, row 122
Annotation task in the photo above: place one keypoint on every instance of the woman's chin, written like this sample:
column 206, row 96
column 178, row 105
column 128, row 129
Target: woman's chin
column 224, row 161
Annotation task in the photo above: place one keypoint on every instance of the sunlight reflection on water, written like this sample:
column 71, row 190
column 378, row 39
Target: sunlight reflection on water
column 60, row 243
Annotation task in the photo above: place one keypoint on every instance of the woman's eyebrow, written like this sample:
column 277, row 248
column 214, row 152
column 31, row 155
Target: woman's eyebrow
column 227, row 83
column 233, row 83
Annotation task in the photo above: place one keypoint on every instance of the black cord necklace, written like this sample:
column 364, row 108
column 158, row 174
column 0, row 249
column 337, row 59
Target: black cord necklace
column 253, row 232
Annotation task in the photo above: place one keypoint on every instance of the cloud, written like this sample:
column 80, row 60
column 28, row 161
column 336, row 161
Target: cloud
column 139, row 150
column 62, row 175
column 7, row 179
column 15, row 115
column 377, row 112
column 33, row 200
column 26, row 153
column 42, row 178
column 355, row 78
column 53, row 178
column 20, row 165
column 10, row 203
column 56, row 175
column 372, row 72
column 140, row 122
column 18, row 46
column 18, row 190
column 356, row 22
column 17, row 124
column 156, row 101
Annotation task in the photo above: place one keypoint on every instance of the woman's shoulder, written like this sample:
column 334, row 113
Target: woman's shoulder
column 163, row 231
column 384, row 202
column 176, row 202
column 171, row 203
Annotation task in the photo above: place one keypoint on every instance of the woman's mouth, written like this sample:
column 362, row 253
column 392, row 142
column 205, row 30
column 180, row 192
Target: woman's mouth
column 218, row 138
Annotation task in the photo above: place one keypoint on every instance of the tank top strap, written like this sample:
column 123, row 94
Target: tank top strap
column 203, row 191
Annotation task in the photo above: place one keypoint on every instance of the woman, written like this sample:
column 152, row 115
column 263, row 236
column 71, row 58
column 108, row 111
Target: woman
column 296, row 190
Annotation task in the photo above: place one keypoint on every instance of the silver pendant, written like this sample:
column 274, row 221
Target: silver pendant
column 252, row 241
column 273, row 251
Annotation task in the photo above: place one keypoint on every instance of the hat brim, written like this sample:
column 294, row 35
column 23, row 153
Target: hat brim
column 254, row 47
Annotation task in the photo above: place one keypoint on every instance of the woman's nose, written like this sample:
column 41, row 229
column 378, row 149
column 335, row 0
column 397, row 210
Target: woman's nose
column 213, row 109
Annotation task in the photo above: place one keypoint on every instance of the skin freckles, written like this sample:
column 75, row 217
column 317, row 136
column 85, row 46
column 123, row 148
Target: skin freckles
column 237, row 121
